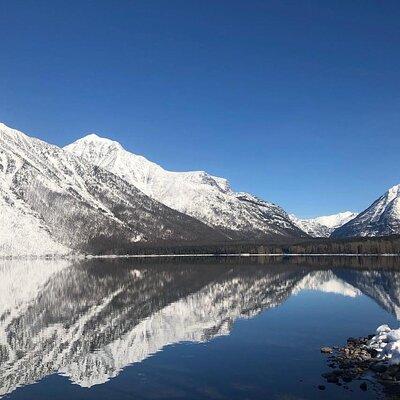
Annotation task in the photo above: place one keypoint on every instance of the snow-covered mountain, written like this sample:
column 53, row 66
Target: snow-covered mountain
column 325, row 225
column 52, row 202
column 381, row 218
column 205, row 197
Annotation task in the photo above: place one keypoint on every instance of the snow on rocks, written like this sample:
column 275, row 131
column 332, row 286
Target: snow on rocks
column 375, row 358
column 387, row 343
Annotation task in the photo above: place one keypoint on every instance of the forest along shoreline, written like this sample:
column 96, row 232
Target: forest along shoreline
column 385, row 246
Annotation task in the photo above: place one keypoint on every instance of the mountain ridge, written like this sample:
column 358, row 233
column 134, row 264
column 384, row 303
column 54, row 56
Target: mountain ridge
column 381, row 218
column 323, row 226
column 79, row 206
column 205, row 197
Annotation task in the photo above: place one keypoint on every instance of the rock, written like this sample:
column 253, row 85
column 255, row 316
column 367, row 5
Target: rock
column 326, row 350
column 393, row 370
column 386, row 376
column 347, row 378
column 354, row 360
column 372, row 352
column 330, row 377
column 378, row 367
column 321, row 387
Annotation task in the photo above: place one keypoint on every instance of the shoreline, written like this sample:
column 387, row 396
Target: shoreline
column 372, row 361
column 188, row 255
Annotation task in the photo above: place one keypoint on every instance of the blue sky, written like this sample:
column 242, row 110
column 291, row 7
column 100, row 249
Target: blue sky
column 295, row 101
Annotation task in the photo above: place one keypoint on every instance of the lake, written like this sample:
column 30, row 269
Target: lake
column 187, row 328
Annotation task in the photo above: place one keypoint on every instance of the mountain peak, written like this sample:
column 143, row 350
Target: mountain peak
column 93, row 138
column 394, row 191
column 198, row 194
column 4, row 126
column 323, row 226
column 381, row 218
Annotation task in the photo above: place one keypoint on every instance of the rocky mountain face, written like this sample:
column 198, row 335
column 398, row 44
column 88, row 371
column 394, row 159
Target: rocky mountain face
column 381, row 218
column 54, row 202
column 89, row 320
column 325, row 225
column 96, row 197
column 202, row 196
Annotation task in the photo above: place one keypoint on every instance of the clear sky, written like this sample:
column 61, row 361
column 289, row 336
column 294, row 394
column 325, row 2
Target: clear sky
column 295, row 101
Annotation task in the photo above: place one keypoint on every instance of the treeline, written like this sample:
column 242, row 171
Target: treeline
column 378, row 245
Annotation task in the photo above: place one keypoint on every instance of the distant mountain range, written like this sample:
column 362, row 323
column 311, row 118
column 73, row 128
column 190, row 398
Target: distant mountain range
column 323, row 226
column 93, row 196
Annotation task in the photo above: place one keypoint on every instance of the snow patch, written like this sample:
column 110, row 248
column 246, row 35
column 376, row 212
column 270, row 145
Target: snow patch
column 387, row 343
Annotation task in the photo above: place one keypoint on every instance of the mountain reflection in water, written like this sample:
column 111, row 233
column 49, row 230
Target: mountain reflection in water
column 87, row 320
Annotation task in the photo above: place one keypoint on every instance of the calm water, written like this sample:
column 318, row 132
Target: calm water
column 186, row 329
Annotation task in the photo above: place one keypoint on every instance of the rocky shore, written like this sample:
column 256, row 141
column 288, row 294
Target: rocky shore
column 371, row 360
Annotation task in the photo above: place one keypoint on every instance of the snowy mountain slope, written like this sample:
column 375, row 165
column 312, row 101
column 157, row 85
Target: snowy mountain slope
column 325, row 225
column 336, row 220
column 23, row 232
column 381, row 218
column 205, row 197
column 58, row 201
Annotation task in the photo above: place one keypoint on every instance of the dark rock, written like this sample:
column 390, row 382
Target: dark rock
column 393, row 370
column 354, row 360
column 378, row 367
column 321, row 387
column 330, row 377
column 347, row 377
column 372, row 352
column 326, row 350
column 386, row 376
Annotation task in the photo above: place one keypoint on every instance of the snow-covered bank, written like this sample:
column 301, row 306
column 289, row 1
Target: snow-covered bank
column 387, row 343
column 374, row 359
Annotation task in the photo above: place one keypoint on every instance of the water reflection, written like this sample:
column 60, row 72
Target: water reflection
column 88, row 320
